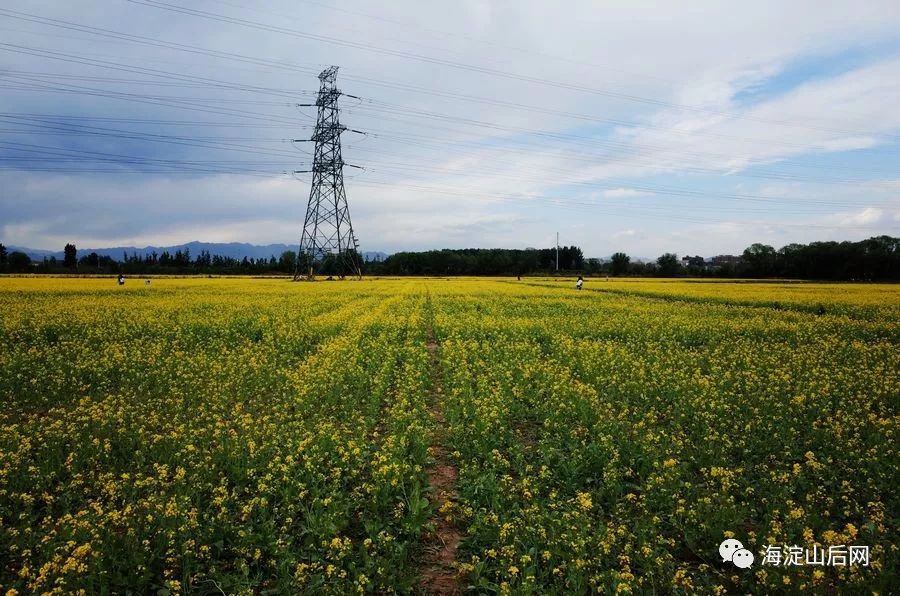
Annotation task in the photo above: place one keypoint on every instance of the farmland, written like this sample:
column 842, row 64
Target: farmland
column 246, row 435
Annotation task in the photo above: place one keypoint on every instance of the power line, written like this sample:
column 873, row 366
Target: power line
column 133, row 120
column 393, row 85
column 621, row 146
column 581, row 206
column 74, row 58
column 154, row 82
column 475, row 68
column 200, row 82
column 418, row 167
column 526, row 147
column 394, row 165
column 183, row 104
column 98, row 155
column 633, row 157
column 171, row 139
column 649, row 189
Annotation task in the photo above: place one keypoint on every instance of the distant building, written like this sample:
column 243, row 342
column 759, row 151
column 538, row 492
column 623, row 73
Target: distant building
column 690, row 261
column 721, row 260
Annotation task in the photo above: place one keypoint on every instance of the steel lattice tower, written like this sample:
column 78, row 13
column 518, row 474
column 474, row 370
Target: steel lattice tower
column 327, row 231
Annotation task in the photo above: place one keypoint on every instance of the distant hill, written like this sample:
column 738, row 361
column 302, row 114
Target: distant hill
column 237, row 250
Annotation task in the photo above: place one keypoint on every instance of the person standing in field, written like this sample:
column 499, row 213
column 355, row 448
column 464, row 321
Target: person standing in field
column 579, row 283
column 121, row 280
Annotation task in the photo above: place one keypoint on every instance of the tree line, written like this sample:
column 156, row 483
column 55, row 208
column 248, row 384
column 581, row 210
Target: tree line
column 877, row 258
column 874, row 258
column 164, row 263
column 479, row 261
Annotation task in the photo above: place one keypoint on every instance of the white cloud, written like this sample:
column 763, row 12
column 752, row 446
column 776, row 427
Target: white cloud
column 492, row 185
column 864, row 217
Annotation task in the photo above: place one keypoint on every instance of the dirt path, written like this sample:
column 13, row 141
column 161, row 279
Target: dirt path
column 437, row 573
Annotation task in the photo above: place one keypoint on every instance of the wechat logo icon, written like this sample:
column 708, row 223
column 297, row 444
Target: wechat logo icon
column 732, row 550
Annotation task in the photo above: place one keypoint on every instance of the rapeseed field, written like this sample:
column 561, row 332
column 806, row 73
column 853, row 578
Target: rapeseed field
column 258, row 436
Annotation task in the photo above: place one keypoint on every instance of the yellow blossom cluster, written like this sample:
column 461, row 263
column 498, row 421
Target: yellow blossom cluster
column 625, row 430
column 203, row 435
column 260, row 436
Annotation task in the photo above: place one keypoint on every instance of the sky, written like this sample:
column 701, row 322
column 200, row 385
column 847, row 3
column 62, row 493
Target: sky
column 643, row 127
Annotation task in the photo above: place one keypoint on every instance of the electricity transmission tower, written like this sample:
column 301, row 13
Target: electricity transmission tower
column 327, row 231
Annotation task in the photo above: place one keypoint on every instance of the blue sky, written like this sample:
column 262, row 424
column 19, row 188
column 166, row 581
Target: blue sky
column 623, row 126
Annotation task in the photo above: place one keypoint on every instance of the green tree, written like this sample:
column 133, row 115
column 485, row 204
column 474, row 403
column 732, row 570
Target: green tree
column 92, row 260
column 2, row 254
column 19, row 261
column 593, row 265
column 620, row 263
column 288, row 261
column 667, row 264
column 70, row 260
column 760, row 259
column 304, row 262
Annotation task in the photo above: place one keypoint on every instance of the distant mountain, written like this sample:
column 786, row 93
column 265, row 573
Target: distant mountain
column 34, row 253
column 375, row 255
column 237, row 250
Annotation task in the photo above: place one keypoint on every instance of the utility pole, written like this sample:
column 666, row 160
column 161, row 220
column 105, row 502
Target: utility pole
column 327, row 231
column 557, row 252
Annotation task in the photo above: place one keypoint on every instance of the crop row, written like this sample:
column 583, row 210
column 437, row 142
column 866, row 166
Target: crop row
column 241, row 441
column 611, row 443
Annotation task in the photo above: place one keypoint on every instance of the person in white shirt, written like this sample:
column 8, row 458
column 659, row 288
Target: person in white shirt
column 579, row 283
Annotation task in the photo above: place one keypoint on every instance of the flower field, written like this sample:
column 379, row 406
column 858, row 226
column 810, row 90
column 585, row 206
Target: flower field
column 259, row 436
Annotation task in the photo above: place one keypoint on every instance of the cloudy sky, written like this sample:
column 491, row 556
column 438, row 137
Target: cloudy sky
column 646, row 127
